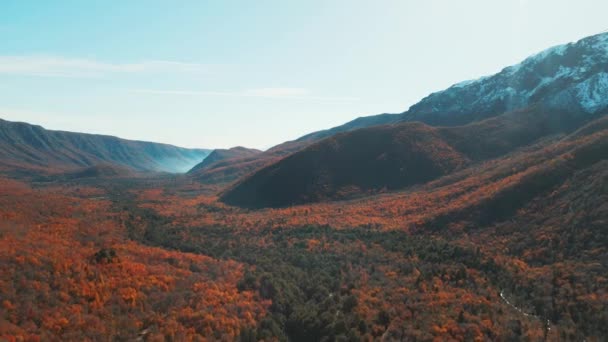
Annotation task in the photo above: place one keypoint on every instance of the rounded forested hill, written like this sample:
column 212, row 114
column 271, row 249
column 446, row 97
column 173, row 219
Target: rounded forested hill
column 380, row 157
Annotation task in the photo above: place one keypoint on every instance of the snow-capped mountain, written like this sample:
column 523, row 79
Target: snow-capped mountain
column 571, row 76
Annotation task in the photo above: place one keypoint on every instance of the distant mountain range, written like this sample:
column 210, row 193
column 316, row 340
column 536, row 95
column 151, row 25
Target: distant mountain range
column 25, row 146
column 553, row 92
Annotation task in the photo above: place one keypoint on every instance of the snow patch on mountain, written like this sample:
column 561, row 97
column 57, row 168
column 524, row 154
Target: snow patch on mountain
column 529, row 62
column 600, row 41
column 562, row 73
column 593, row 93
column 572, row 75
column 533, row 60
column 469, row 82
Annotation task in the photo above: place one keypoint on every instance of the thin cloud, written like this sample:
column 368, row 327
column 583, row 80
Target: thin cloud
column 272, row 93
column 50, row 66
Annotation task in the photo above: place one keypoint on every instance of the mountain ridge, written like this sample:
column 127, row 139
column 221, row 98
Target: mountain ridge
column 392, row 157
column 572, row 76
column 516, row 105
column 219, row 154
column 23, row 145
column 428, row 104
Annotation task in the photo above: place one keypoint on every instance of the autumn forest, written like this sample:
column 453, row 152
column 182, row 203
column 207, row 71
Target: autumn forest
column 509, row 249
column 479, row 214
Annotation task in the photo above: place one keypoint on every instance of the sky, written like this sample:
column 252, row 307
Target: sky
column 217, row 74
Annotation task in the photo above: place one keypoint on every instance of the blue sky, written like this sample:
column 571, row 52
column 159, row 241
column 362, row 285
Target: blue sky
column 257, row 73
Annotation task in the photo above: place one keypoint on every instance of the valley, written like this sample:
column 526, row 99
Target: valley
column 188, row 265
column 479, row 214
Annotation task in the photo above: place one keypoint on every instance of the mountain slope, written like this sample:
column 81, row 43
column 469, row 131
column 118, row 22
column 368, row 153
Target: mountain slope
column 32, row 147
column 350, row 162
column 99, row 171
column 571, row 77
column 230, row 169
column 393, row 157
column 218, row 155
column 568, row 77
column 360, row 122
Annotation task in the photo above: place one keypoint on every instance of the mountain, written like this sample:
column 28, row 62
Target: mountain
column 567, row 77
column 553, row 92
column 571, row 77
column 347, row 163
column 25, row 146
column 223, row 154
column 392, row 157
column 230, row 169
column 99, row 171
column 361, row 122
